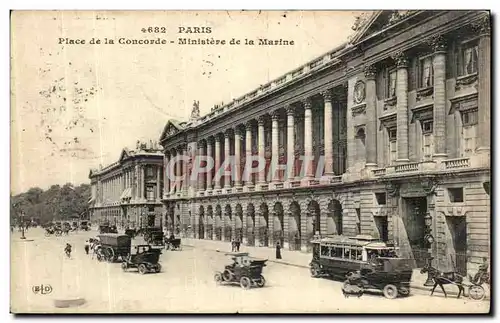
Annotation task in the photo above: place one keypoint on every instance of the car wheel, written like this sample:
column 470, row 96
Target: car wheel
column 314, row 270
column 476, row 292
column 245, row 282
column 390, row 291
column 218, row 278
column 124, row 266
column 261, row 282
column 47, row 234
column 158, row 268
column 226, row 275
column 142, row 269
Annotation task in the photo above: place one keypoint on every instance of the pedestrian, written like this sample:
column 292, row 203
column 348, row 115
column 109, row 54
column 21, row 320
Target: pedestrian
column 278, row 250
column 67, row 250
column 87, row 246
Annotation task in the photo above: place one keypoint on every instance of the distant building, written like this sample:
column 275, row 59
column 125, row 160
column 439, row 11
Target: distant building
column 401, row 116
column 128, row 192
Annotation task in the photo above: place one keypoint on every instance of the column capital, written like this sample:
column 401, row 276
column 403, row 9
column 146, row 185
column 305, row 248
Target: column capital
column 218, row 137
column 210, row 140
column 327, row 95
column 181, row 148
column 239, row 130
column 201, row 143
column 307, row 103
column 228, row 133
column 290, row 110
column 482, row 26
column 370, row 72
column 437, row 43
column 248, row 125
column 275, row 115
column 262, row 120
column 400, row 59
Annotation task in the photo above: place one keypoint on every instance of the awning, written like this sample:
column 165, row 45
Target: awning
column 127, row 193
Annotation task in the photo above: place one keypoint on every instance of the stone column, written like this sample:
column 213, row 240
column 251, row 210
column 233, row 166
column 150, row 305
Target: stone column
column 484, row 90
column 327, row 97
column 275, row 144
column 439, row 66
column 308, row 137
column 178, row 172
column 237, row 153
column 371, row 117
column 210, row 142
column 185, row 179
column 201, row 176
column 166, row 180
column 262, row 148
column 402, row 107
column 248, row 151
column 217, row 160
column 290, row 137
column 137, row 182
column 158, row 182
column 227, row 155
column 143, row 180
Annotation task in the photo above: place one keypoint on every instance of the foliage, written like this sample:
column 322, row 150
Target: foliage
column 56, row 203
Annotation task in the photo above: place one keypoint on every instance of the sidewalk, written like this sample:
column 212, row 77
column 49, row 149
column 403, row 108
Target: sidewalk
column 302, row 260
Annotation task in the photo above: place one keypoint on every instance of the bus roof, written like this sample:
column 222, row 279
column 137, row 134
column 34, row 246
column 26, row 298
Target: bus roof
column 359, row 241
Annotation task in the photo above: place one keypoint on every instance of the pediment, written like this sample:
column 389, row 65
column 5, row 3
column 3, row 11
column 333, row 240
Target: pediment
column 124, row 154
column 171, row 128
column 372, row 23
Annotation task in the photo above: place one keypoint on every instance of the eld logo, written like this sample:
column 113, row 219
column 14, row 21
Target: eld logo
column 42, row 289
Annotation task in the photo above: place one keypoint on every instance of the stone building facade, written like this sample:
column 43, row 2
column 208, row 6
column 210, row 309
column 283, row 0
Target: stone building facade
column 129, row 191
column 400, row 114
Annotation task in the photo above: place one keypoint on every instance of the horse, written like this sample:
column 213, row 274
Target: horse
column 443, row 278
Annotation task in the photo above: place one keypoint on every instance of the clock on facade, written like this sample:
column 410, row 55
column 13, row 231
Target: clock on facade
column 359, row 92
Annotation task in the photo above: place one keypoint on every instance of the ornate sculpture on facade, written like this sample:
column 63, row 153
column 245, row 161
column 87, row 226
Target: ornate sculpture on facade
column 359, row 92
column 400, row 59
column 398, row 15
column 361, row 20
column 392, row 189
column 429, row 186
column 437, row 43
column 195, row 112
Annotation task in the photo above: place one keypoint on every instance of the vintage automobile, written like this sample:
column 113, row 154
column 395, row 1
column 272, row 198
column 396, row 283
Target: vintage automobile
column 113, row 246
column 365, row 262
column 145, row 259
column 131, row 232
column 103, row 228
column 245, row 271
column 173, row 243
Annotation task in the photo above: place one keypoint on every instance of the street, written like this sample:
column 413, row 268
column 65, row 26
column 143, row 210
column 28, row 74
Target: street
column 186, row 285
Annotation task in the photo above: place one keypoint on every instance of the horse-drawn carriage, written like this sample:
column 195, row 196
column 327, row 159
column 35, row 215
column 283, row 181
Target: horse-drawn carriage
column 367, row 264
column 113, row 246
column 172, row 243
column 244, row 270
column 53, row 230
column 145, row 260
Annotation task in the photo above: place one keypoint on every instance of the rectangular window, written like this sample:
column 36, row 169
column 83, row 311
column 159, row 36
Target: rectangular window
column 150, row 193
column 468, row 140
column 149, row 171
column 358, row 220
column 381, row 198
column 425, row 73
column 469, row 58
column 339, row 252
column 456, row 194
column 469, row 118
column 325, row 252
column 391, row 84
column 427, row 145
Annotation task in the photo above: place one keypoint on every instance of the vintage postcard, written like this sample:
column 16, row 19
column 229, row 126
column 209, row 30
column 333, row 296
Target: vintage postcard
column 250, row 161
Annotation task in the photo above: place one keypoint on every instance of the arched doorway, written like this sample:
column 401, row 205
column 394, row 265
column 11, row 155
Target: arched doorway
column 238, row 223
column 210, row 223
column 228, row 216
column 334, row 218
column 218, row 222
column 250, row 225
column 294, row 231
column 201, row 223
column 264, row 225
column 278, row 223
column 313, row 223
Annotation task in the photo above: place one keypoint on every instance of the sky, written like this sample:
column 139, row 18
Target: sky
column 75, row 106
